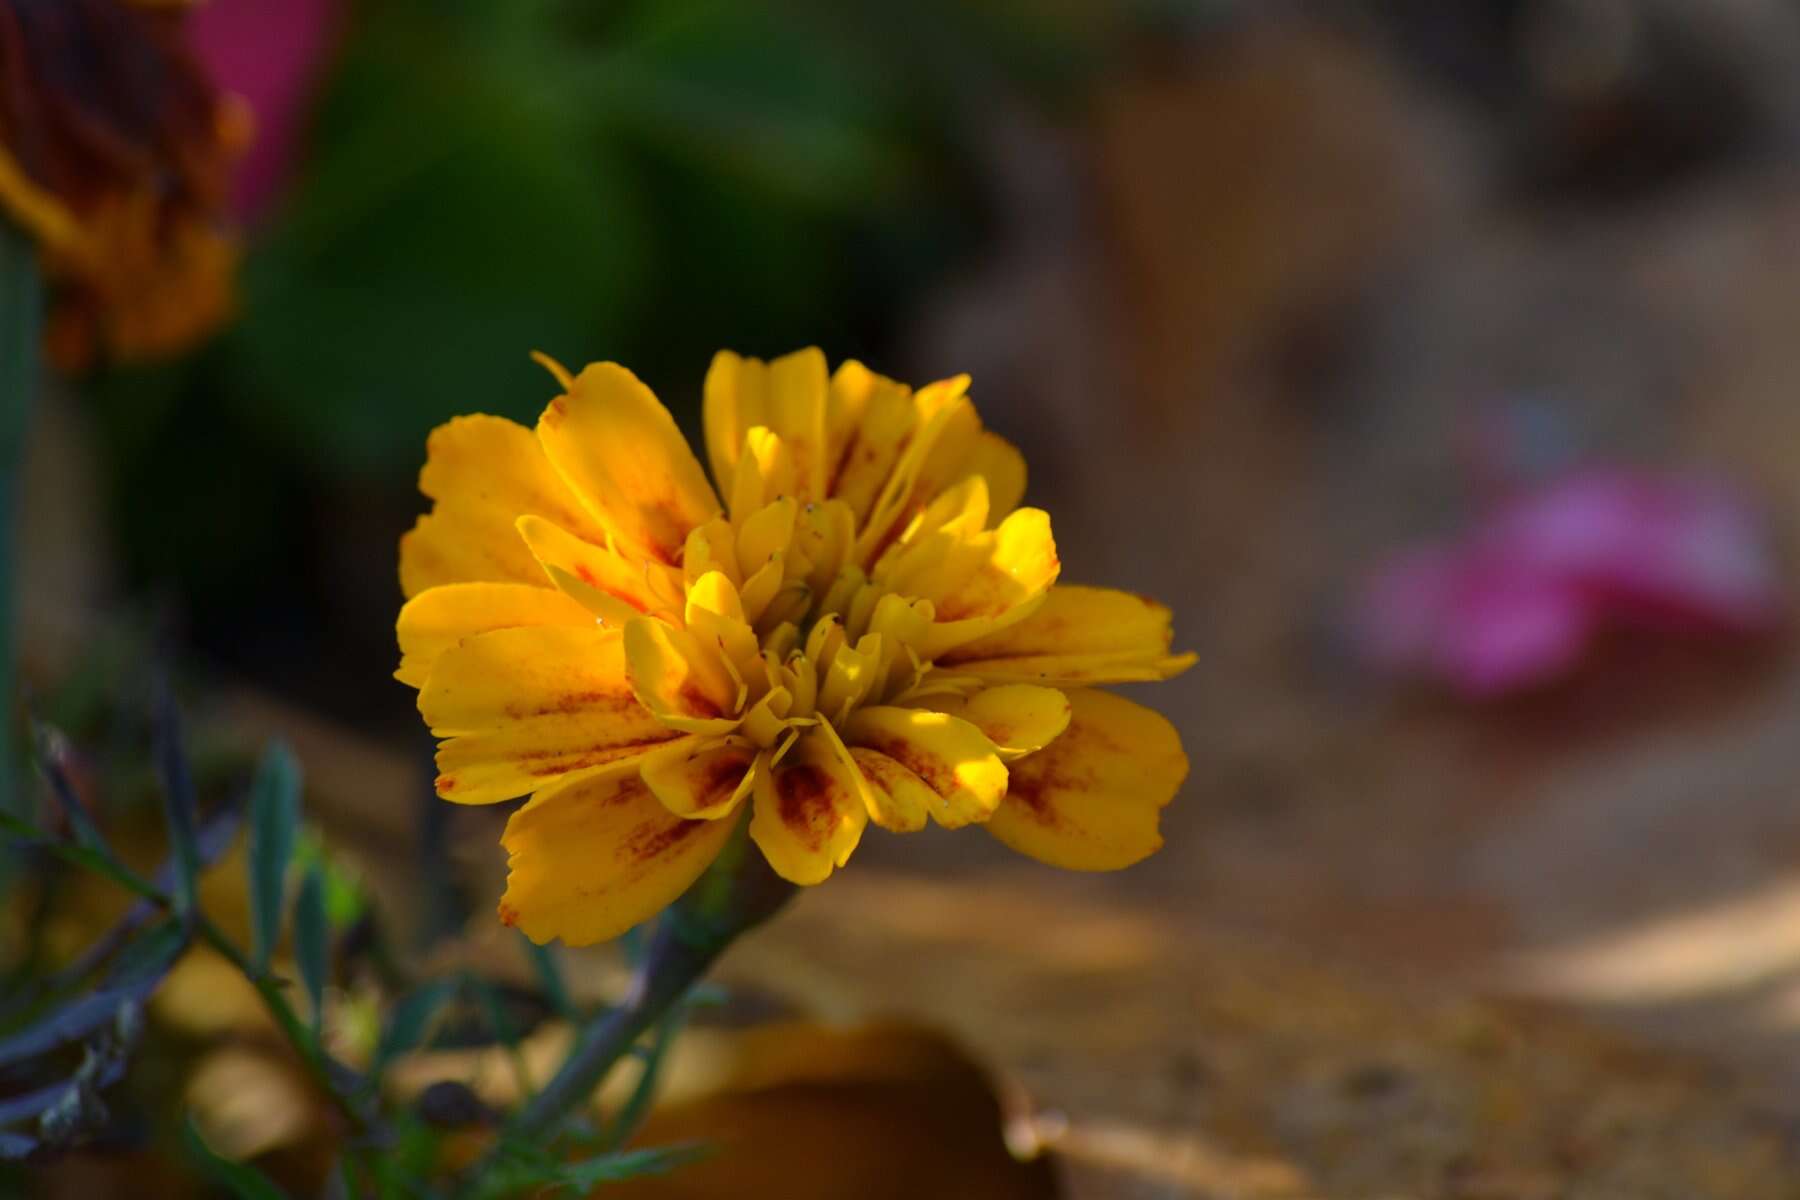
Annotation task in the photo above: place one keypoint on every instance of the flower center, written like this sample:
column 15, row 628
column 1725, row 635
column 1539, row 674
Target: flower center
column 784, row 627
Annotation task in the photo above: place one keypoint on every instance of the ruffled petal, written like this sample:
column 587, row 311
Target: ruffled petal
column 978, row 584
column 598, row 576
column 591, row 858
column 704, row 778
column 808, row 813
column 999, row 462
column 898, row 800
column 949, row 755
column 484, row 473
column 620, row 451
column 1079, row 635
column 869, row 421
column 440, row 617
column 940, row 408
column 1092, row 800
column 1017, row 718
column 521, row 708
column 680, row 680
column 786, row 397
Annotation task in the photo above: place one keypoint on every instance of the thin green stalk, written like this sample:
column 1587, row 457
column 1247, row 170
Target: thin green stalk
column 21, row 333
column 738, row 893
column 312, row 1055
column 735, row 895
column 296, row 1031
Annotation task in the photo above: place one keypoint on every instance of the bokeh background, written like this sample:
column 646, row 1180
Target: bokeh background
column 1267, row 293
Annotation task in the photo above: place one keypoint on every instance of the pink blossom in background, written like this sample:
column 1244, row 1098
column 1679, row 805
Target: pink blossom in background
column 272, row 53
column 1517, row 601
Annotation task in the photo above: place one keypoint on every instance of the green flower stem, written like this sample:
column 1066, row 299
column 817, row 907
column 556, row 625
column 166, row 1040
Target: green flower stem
column 324, row 1072
column 738, row 893
column 312, row 1055
column 21, row 322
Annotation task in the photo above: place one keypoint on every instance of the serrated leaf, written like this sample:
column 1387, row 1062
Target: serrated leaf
column 274, row 822
column 240, row 1179
column 406, row 1029
column 312, row 940
column 180, row 804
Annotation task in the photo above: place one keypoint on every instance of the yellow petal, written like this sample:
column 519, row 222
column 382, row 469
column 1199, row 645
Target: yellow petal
column 947, row 464
column 1017, row 718
column 766, row 533
column 999, row 462
column 521, row 708
column 484, row 473
column 1092, row 799
column 871, row 419
column 978, row 584
column 898, row 799
column 941, row 407
column 641, row 587
column 786, row 397
column 1079, row 635
column 808, row 813
column 589, row 859
column 949, row 755
column 703, row 778
column 735, row 400
column 440, row 617
column 797, row 415
column 680, row 680
column 620, row 451
column 711, row 547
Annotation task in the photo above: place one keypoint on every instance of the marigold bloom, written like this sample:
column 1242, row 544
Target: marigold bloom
column 115, row 157
column 867, row 629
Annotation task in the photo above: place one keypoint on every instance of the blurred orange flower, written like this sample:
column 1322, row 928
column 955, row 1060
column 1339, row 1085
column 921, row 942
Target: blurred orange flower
column 115, row 157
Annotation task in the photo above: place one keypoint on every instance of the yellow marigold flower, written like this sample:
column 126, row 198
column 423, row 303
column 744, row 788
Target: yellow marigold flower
column 866, row 629
column 115, row 156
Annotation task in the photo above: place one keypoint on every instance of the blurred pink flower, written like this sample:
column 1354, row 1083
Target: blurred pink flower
column 272, row 55
column 1517, row 601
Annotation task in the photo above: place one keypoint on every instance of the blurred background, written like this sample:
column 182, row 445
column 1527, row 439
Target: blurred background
column 1436, row 362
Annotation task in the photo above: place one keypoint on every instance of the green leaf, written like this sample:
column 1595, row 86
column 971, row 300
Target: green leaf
column 590, row 1173
column 134, row 975
column 312, row 940
column 406, row 1029
column 80, row 856
column 180, row 805
column 240, row 1179
column 52, row 756
column 274, row 819
column 524, row 1167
